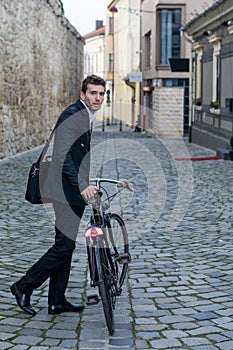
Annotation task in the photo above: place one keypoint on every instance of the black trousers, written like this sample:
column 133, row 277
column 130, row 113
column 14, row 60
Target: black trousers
column 56, row 262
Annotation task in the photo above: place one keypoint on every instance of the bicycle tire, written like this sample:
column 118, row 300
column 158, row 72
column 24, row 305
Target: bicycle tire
column 118, row 243
column 105, row 293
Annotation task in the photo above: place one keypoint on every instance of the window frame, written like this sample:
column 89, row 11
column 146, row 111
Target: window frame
column 148, row 50
column 159, row 8
column 110, row 62
column 110, row 25
column 215, row 40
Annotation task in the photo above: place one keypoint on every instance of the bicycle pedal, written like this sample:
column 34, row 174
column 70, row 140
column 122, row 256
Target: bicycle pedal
column 118, row 291
column 92, row 299
column 124, row 258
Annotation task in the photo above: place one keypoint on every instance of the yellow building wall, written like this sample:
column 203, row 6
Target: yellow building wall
column 125, row 45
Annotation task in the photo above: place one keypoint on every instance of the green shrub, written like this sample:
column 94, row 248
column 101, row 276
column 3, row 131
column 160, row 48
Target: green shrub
column 214, row 104
column 197, row 101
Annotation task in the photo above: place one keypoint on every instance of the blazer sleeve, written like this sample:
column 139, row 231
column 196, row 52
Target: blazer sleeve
column 71, row 148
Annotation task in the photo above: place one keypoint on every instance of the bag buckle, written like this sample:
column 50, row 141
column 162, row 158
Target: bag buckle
column 34, row 171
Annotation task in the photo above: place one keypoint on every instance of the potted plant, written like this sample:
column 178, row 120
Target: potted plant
column 197, row 104
column 214, row 107
column 231, row 150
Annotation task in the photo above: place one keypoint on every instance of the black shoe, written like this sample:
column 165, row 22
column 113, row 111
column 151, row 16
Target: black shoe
column 67, row 307
column 23, row 300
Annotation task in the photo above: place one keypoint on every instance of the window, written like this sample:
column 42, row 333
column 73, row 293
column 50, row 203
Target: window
column 148, row 54
column 110, row 25
column 198, row 70
column 217, row 77
column 215, row 40
column 170, row 24
column 110, row 62
column 87, row 64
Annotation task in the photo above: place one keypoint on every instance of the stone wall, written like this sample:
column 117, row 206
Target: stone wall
column 41, row 68
column 168, row 111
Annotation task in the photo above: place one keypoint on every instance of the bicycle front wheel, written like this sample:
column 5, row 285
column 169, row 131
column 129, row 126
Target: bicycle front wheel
column 118, row 244
column 104, row 290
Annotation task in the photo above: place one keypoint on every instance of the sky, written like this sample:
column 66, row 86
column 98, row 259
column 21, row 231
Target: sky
column 82, row 14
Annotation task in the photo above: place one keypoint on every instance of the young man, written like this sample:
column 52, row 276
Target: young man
column 68, row 187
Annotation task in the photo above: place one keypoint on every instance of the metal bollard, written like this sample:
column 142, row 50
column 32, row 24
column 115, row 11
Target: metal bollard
column 120, row 125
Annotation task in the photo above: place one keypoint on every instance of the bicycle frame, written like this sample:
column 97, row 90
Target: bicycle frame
column 104, row 256
column 96, row 239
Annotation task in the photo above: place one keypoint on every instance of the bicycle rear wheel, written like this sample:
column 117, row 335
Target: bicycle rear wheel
column 104, row 289
column 118, row 244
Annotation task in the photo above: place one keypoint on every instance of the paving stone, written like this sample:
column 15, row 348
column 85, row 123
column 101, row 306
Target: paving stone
column 61, row 334
column 175, row 319
column 227, row 345
column 12, row 321
column 174, row 334
column 216, row 338
column 194, row 341
column 205, row 316
column 141, row 344
column 27, row 340
column 184, row 311
column 145, row 321
column 91, row 345
column 185, row 326
column 226, row 325
column 225, row 312
column 204, row 330
column 148, row 335
column 32, row 331
column 121, row 342
column 209, row 307
column 95, row 333
column 39, row 324
column 50, row 342
column 68, row 344
column 165, row 343
column 5, row 336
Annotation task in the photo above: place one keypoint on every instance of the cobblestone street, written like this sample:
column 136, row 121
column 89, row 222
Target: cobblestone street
column 179, row 291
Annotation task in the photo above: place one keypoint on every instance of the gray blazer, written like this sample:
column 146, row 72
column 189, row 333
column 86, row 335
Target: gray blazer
column 68, row 174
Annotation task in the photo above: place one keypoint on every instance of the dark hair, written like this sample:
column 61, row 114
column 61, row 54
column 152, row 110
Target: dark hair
column 94, row 80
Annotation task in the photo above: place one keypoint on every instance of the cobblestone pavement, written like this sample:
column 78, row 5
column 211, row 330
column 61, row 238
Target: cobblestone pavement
column 179, row 292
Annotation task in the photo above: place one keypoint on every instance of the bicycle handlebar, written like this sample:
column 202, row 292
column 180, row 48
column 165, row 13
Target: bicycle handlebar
column 96, row 200
column 119, row 183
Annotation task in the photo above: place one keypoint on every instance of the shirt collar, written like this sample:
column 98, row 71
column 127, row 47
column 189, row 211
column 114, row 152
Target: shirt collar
column 91, row 115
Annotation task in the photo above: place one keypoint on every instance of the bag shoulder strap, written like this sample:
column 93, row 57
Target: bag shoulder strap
column 45, row 148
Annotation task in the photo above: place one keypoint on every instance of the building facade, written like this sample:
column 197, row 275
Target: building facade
column 123, row 59
column 212, row 90
column 165, row 58
column 94, row 60
column 94, row 51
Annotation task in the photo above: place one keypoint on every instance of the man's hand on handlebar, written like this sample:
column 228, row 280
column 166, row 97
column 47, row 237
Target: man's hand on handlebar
column 89, row 192
column 124, row 184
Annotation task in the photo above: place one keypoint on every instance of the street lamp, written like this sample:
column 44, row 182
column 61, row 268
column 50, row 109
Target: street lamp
column 113, row 10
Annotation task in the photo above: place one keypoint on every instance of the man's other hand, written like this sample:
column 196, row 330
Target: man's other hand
column 89, row 192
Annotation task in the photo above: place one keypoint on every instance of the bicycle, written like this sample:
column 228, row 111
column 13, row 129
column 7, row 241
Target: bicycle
column 107, row 250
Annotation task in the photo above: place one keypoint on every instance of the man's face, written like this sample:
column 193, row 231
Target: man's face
column 93, row 97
